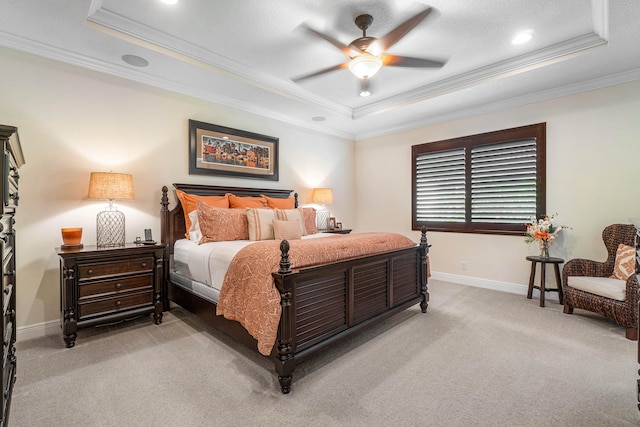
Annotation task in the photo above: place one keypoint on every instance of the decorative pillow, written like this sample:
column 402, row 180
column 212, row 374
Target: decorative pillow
column 625, row 262
column 292, row 215
column 237, row 202
column 309, row 220
column 260, row 223
column 194, row 232
column 287, row 230
column 218, row 225
column 278, row 203
column 188, row 202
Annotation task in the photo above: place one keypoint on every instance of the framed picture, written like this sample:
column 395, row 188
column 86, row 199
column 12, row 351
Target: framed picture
column 223, row 151
column 338, row 226
column 332, row 223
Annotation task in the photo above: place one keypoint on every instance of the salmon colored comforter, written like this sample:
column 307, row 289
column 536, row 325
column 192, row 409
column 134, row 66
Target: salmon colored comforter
column 248, row 294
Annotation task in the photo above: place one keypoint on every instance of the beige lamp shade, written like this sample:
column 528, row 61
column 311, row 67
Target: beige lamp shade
column 110, row 186
column 322, row 196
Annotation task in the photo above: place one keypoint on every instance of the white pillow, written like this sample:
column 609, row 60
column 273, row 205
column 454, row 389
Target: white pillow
column 194, row 232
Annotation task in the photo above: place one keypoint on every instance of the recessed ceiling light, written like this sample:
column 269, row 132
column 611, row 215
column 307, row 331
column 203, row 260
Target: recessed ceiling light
column 135, row 60
column 318, row 119
column 522, row 37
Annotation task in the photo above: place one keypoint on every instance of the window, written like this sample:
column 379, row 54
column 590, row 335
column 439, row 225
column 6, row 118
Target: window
column 487, row 183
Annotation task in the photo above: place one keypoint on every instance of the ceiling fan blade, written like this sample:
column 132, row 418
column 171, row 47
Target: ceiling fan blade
column 407, row 61
column 320, row 72
column 350, row 52
column 401, row 30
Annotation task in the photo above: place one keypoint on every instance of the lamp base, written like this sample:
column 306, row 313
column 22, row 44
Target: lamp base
column 322, row 219
column 110, row 229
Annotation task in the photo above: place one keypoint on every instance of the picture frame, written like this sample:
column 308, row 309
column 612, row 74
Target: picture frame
column 338, row 226
column 223, row 151
column 332, row 223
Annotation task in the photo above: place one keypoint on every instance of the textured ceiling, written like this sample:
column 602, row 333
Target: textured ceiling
column 243, row 53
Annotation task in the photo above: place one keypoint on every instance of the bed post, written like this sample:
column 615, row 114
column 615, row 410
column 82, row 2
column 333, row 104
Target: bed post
column 424, row 271
column 285, row 362
column 164, row 232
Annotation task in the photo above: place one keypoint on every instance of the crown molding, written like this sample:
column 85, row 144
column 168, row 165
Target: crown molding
column 599, row 83
column 133, row 31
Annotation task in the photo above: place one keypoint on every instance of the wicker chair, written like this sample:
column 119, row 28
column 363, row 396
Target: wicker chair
column 624, row 313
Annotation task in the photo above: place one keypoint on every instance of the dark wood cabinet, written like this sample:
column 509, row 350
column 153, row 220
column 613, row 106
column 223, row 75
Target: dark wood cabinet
column 12, row 160
column 103, row 285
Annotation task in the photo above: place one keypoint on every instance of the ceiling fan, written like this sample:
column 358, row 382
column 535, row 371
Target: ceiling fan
column 368, row 54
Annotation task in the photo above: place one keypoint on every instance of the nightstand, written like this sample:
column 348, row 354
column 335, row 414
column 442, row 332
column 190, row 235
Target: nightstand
column 341, row 231
column 104, row 285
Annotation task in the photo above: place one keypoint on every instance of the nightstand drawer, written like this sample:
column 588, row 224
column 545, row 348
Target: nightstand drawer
column 115, row 304
column 104, row 269
column 107, row 288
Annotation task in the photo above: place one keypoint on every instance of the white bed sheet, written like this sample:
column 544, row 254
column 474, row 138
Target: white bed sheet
column 208, row 263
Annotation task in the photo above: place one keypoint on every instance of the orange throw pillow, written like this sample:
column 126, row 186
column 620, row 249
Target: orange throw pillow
column 188, row 202
column 220, row 225
column 279, row 203
column 237, row 202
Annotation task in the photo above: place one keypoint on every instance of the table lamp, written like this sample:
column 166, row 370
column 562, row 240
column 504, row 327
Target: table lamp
column 110, row 222
column 322, row 196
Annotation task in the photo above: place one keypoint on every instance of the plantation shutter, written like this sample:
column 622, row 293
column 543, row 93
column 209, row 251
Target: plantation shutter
column 503, row 182
column 440, row 186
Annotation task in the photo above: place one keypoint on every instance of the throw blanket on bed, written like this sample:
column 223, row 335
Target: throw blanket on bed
column 249, row 295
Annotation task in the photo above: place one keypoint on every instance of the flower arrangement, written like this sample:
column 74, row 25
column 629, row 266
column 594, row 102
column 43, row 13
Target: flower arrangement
column 543, row 232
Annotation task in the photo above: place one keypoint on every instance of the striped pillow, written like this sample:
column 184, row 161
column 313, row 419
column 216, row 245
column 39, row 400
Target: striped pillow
column 260, row 223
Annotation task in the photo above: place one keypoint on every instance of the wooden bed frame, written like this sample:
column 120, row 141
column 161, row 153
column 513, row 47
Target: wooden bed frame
column 320, row 305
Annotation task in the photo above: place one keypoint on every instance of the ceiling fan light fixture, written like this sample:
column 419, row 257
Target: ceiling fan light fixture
column 365, row 66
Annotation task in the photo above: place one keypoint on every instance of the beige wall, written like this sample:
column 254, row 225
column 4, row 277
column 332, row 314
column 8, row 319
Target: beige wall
column 593, row 179
column 73, row 121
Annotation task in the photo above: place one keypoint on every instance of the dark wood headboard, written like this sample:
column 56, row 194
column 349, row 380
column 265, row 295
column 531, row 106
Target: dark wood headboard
column 172, row 225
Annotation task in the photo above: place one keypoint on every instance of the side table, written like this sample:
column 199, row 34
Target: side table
column 338, row 231
column 103, row 285
column 543, row 267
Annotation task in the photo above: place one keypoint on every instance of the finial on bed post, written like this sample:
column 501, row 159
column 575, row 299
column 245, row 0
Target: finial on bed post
column 295, row 200
column 424, row 269
column 285, row 265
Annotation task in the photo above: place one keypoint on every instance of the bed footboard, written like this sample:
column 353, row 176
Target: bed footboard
column 321, row 305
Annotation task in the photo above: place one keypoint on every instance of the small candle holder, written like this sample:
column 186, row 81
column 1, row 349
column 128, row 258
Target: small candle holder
column 71, row 238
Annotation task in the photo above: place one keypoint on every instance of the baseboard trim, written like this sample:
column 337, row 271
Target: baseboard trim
column 513, row 288
column 39, row 330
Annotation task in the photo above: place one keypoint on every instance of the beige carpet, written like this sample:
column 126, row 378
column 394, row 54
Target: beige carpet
column 477, row 358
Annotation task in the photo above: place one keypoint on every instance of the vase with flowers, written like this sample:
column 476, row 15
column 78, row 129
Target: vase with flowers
column 543, row 232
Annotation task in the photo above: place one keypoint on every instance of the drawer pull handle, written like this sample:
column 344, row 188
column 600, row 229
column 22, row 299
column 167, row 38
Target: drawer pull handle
column 89, row 271
column 118, row 303
column 118, row 285
column 144, row 265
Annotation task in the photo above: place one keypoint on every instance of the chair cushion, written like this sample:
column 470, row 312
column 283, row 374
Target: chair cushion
column 604, row 286
column 625, row 262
